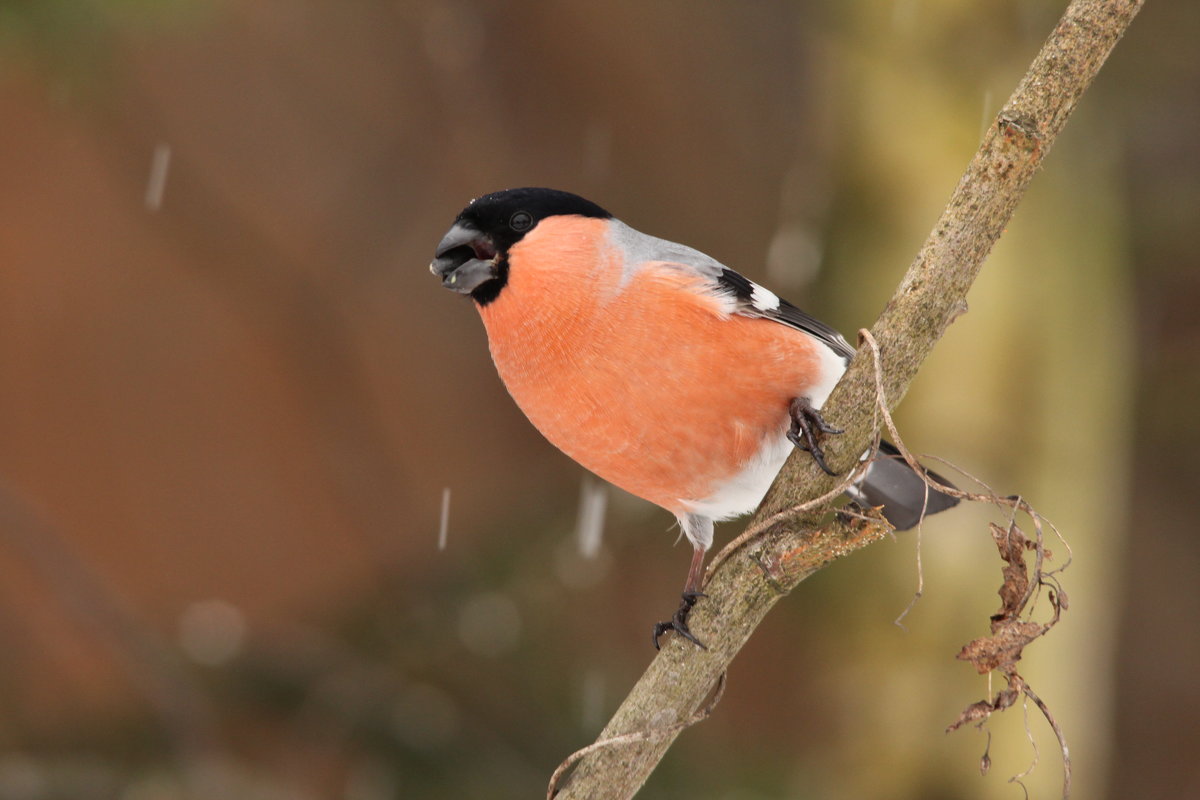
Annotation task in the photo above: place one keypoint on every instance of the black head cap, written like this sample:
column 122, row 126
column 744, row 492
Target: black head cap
column 473, row 256
column 508, row 215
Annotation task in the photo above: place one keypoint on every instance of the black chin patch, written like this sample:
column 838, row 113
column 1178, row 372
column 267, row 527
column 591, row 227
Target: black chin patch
column 487, row 292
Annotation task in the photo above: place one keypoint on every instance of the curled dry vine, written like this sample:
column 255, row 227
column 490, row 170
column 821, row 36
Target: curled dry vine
column 1012, row 627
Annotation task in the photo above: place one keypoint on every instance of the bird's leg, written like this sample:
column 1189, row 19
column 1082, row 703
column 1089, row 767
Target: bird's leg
column 808, row 427
column 691, row 593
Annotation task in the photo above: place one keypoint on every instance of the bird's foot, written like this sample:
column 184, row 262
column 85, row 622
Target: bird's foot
column 678, row 622
column 807, row 430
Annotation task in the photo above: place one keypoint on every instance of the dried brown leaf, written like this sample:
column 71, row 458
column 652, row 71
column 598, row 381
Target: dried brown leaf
column 972, row 713
column 1002, row 650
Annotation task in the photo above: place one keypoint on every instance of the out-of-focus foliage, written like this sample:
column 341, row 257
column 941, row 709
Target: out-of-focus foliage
column 227, row 417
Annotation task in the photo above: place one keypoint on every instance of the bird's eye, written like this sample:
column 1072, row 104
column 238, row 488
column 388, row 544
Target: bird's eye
column 521, row 221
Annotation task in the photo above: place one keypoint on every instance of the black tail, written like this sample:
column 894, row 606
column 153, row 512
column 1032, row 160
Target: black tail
column 905, row 497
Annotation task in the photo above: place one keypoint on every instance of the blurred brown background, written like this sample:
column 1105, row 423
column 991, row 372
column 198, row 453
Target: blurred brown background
column 232, row 395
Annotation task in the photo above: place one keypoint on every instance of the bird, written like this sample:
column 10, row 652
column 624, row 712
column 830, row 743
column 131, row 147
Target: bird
column 655, row 366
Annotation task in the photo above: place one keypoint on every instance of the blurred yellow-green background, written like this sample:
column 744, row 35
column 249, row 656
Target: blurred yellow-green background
column 232, row 396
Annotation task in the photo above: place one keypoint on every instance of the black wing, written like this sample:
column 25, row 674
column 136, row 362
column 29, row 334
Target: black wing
column 755, row 301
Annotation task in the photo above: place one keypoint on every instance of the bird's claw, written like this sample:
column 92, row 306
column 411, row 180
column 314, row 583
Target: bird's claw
column 808, row 426
column 678, row 621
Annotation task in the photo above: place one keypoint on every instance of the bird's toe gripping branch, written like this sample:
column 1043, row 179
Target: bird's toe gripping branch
column 678, row 621
column 807, row 430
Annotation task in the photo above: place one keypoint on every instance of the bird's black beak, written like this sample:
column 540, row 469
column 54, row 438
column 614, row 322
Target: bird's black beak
column 465, row 259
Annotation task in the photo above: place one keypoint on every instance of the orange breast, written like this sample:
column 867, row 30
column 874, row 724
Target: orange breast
column 648, row 384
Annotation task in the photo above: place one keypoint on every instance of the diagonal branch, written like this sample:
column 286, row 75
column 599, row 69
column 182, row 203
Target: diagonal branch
column 931, row 295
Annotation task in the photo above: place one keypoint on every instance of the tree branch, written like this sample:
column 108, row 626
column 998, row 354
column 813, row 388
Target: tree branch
column 932, row 294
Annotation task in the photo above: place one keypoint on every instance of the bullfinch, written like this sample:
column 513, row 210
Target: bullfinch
column 653, row 365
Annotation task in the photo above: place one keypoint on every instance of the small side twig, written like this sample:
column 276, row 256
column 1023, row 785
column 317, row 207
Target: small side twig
column 790, row 513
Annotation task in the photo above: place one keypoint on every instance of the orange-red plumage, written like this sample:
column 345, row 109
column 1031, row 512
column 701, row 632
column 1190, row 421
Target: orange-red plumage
column 652, row 384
